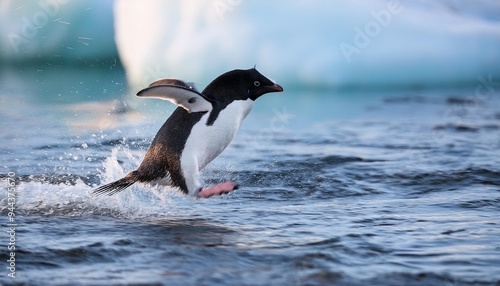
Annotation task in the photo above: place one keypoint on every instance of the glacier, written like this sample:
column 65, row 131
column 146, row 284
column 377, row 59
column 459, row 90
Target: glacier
column 302, row 44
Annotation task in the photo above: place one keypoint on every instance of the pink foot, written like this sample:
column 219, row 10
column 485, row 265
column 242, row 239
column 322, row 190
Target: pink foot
column 219, row 189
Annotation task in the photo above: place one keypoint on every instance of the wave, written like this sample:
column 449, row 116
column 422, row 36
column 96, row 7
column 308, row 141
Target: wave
column 71, row 194
column 286, row 176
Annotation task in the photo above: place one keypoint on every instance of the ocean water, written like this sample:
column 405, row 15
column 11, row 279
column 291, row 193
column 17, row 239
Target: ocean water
column 338, row 187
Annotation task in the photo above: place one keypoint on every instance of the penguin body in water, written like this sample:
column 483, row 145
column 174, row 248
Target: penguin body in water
column 197, row 131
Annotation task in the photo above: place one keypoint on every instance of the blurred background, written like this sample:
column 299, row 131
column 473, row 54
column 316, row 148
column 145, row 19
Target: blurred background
column 304, row 44
column 67, row 52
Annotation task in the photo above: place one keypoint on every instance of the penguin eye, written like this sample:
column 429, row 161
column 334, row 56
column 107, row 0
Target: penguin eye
column 192, row 100
column 256, row 83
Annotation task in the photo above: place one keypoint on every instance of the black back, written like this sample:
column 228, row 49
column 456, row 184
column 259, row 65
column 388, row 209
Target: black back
column 163, row 156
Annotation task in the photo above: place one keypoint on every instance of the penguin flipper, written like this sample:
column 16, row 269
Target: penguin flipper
column 116, row 186
column 179, row 93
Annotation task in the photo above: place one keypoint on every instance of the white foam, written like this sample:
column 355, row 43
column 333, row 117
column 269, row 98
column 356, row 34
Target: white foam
column 39, row 198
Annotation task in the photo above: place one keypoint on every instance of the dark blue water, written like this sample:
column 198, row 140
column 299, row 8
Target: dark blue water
column 396, row 187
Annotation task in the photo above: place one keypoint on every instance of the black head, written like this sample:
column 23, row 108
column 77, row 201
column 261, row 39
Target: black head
column 240, row 85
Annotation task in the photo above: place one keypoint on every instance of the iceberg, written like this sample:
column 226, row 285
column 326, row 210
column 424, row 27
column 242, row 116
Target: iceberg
column 56, row 30
column 303, row 44
column 325, row 44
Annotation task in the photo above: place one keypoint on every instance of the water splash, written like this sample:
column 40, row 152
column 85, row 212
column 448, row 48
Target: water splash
column 72, row 196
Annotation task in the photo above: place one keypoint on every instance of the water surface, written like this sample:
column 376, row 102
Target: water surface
column 337, row 188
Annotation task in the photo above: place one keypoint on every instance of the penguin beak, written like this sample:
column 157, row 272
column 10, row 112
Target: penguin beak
column 273, row 88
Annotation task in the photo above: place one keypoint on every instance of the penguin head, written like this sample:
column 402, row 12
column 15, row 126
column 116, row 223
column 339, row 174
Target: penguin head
column 240, row 85
column 257, row 84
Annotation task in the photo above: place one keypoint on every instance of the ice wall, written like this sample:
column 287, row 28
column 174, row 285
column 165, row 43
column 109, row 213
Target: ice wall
column 315, row 43
column 366, row 43
column 49, row 30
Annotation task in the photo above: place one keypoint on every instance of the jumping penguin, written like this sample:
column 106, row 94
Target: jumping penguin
column 197, row 131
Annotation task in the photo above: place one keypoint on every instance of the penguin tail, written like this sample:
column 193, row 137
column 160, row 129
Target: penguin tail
column 117, row 186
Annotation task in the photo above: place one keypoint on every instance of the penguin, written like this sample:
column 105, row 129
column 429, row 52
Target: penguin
column 199, row 129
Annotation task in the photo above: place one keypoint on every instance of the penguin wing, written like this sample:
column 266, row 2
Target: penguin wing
column 178, row 92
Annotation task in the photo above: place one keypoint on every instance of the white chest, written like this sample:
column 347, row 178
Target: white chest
column 207, row 142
